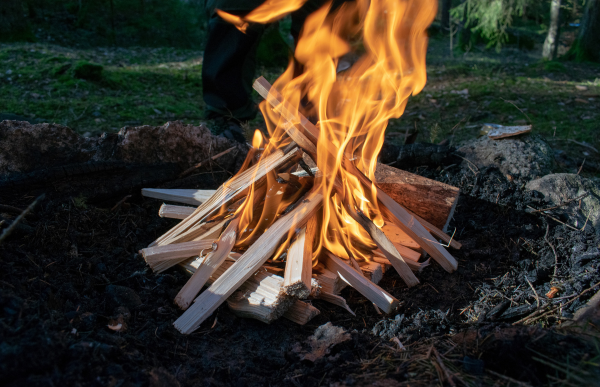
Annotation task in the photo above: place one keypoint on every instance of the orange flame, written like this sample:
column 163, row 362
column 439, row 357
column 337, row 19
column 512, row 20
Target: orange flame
column 268, row 12
column 353, row 107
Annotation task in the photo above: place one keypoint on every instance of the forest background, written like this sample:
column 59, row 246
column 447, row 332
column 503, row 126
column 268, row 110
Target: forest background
column 99, row 65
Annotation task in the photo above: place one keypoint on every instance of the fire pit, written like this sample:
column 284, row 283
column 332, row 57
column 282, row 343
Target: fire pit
column 278, row 231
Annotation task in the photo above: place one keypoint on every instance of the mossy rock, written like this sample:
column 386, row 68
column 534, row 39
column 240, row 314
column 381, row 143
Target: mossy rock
column 88, row 71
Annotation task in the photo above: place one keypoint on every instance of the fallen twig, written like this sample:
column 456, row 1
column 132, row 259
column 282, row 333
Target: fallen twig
column 526, row 319
column 580, row 168
column 584, row 145
column 120, row 202
column 512, row 103
column 191, row 169
column 11, row 209
column 563, row 204
column 469, row 161
column 556, row 220
column 554, row 251
column 14, row 224
column 509, row 379
column 537, row 298
column 447, row 374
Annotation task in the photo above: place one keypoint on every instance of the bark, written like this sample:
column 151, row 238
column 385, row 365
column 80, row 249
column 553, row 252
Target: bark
column 551, row 43
column 587, row 45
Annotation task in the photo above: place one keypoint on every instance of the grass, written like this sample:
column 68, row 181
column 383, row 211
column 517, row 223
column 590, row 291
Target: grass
column 136, row 86
column 154, row 85
column 504, row 89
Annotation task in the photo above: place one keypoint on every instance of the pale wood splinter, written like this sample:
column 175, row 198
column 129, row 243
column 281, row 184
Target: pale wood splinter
column 247, row 264
column 298, row 268
column 193, row 286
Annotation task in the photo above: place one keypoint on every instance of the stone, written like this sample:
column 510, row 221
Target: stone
column 559, row 187
column 522, row 157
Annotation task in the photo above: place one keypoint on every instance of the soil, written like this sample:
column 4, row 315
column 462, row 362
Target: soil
column 72, row 268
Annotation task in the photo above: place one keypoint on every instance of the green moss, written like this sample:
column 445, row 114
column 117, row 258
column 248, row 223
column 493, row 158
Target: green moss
column 554, row 66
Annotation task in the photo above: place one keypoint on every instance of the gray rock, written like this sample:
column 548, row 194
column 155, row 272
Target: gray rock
column 522, row 157
column 560, row 187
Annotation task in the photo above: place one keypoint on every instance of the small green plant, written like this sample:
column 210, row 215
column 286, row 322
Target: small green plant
column 490, row 18
column 80, row 202
column 434, row 133
column 88, row 71
column 554, row 66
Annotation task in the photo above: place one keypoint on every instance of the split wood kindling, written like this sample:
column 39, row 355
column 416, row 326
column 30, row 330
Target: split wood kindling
column 214, row 241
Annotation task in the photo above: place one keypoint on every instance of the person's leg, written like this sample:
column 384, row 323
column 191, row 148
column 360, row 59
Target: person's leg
column 228, row 70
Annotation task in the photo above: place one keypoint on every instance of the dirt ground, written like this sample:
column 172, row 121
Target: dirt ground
column 72, row 266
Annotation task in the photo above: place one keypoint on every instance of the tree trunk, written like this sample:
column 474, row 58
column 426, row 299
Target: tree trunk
column 13, row 25
column 551, row 43
column 446, row 4
column 587, row 45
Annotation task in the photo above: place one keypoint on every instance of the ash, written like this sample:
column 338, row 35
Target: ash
column 423, row 323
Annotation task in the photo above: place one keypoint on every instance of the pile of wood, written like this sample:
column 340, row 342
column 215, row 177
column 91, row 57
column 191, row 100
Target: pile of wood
column 259, row 279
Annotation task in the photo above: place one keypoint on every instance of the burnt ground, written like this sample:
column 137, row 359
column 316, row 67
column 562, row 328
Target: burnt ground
column 72, row 266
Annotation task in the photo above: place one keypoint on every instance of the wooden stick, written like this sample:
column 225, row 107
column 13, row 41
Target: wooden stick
column 225, row 193
column 399, row 237
column 372, row 271
column 414, row 266
column 409, row 224
column 209, row 232
column 260, row 297
column 155, row 255
column 298, row 268
column 301, row 312
column 175, row 212
column 396, row 212
column 193, row 286
column 329, row 281
column 501, row 131
column 15, row 222
column 437, row 232
column 407, row 253
column 374, row 293
column 247, row 264
column 242, row 186
column 221, row 194
column 428, row 198
column 336, row 300
column 384, row 244
column 291, row 114
column 193, row 168
column 187, row 196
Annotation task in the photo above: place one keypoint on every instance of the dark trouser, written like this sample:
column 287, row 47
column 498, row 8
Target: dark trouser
column 228, row 70
column 229, row 63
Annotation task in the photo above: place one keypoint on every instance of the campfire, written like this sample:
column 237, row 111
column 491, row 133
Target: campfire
column 311, row 210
